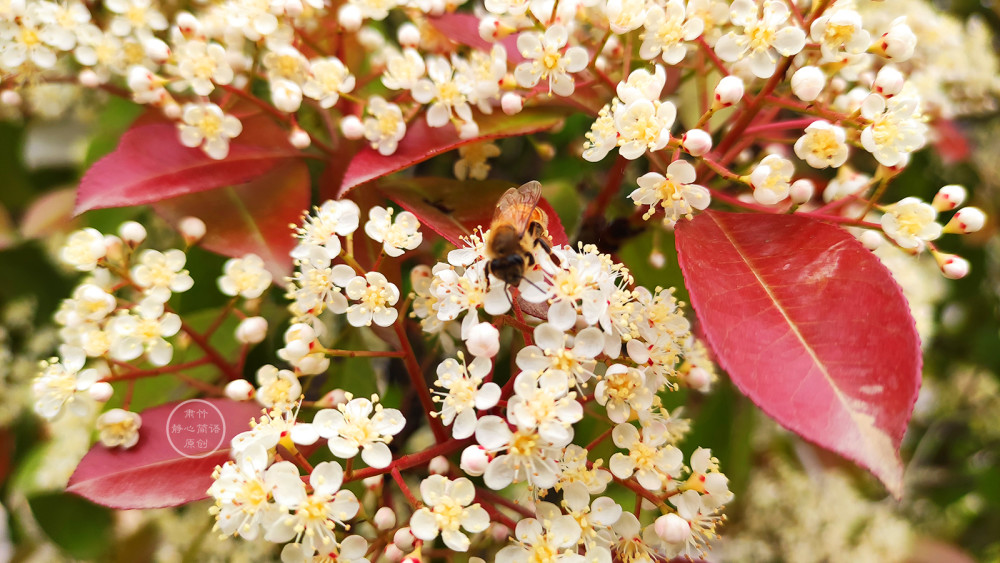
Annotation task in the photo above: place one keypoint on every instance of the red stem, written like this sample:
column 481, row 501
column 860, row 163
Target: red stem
column 418, row 383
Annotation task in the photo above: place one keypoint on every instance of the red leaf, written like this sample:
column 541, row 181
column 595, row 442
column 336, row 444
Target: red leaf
column 811, row 327
column 150, row 164
column 422, row 142
column 950, row 142
column 252, row 217
column 153, row 474
column 445, row 207
column 463, row 29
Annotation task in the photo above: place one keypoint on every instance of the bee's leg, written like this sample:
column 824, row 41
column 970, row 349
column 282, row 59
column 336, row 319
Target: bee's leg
column 529, row 260
column 540, row 241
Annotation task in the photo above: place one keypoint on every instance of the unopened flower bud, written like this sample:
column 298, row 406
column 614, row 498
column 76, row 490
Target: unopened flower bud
column 729, row 91
column 545, row 151
column 333, row 399
column 10, row 98
column 299, row 139
column 484, row 340
column 132, row 233
column 468, row 130
column 251, row 330
column 351, row 127
column 801, row 190
column 403, row 538
column 899, row 42
column 474, row 460
column 699, row 379
column 871, row 239
column 808, row 82
column 156, row 49
column 511, row 103
column 192, row 229
column 489, row 29
column 384, row 518
column 888, row 81
column 286, row 95
column 372, row 483
column 949, row 197
column 438, row 466
column 89, row 78
column 240, row 390
column 657, row 259
column 966, row 220
column 408, row 35
column 952, row 266
column 172, row 110
column 187, row 24
column 101, row 391
column 349, row 16
column 393, row 554
column 671, row 528
column 498, row 532
column 697, row 142
column 113, row 247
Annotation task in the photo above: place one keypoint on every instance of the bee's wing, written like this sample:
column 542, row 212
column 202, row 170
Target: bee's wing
column 517, row 204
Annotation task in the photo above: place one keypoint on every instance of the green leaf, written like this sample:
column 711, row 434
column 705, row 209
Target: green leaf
column 81, row 528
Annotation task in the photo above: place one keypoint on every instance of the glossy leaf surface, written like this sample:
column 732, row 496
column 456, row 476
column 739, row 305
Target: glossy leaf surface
column 811, row 327
column 154, row 474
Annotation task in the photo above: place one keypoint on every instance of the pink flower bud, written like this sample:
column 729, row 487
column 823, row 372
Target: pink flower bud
column 801, row 190
column 484, row 340
column 101, row 391
column 10, row 98
column 393, row 554
column 408, row 35
column 351, row 127
column 499, row 532
column 888, row 81
column 89, row 78
column 372, row 483
column 240, row 390
column 192, row 229
column 949, row 197
column 132, row 233
column 697, row 142
column 299, row 139
column 671, row 528
column 966, row 220
column 438, row 466
column 952, row 266
column 808, row 82
column 474, row 460
column 729, row 91
column 511, row 103
column 349, row 16
column 251, row 330
column 332, row 399
column 384, row 518
column 699, row 379
column 403, row 539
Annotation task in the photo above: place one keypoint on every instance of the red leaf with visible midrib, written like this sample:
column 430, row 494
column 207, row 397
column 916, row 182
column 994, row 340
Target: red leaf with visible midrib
column 423, row 141
column 811, row 327
column 464, row 29
column 150, row 164
column 152, row 474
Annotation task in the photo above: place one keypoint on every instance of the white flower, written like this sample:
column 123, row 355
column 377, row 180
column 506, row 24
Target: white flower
column 353, row 427
column 839, row 31
column 314, row 515
column 573, row 469
column 83, row 249
column 134, row 16
column 760, row 37
column 473, row 162
column 328, row 79
column 546, row 59
column 654, row 462
column 625, row 15
column 466, row 393
column 593, row 519
column 286, row 95
column 403, row 70
column 279, row 389
column 352, row 550
column 547, row 541
column 118, row 427
column 622, row 390
column 447, row 91
column 643, row 125
column 822, row 145
column 675, row 193
column 161, row 273
column 397, row 235
column 541, row 401
column 375, row 296
column 132, row 334
column 897, row 128
column 447, row 511
column 899, row 42
column 771, row 179
column 701, row 517
column 527, row 456
column 242, row 492
column 911, row 222
column 246, row 277
column 666, row 30
column 286, row 62
column 555, row 350
column 603, row 135
column 340, row 217
column 384, row 126
column 315, row 284
column 205, row 125
column 60, row 382
column 203, row 65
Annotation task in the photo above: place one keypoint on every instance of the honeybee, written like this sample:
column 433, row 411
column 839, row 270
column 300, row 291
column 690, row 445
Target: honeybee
column 518, row 226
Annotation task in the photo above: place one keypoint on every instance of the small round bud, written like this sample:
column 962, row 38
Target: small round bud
column 438, row 466
column 403, row 538
column 393, row 554
column 474, row 460
column 408, row 35
column 172, row 110
column 499, row 532
column 671, row 528
column 808, row 82
column 949, row 197
column 699, row 379
column 801, row 190
column 384, row 518
column 10, row 98
column 489, row 29
column 156, row 49
column 511, row 103
column 132, row 233
column 240, row 390
column 349, row 16
column 952, row 266
column 192, row 229
column 187, row 24
column 372, row 483
column 478, row 559
column 966, row 220
column 89, row 78
column 888, row 81
column 251, row 330
column 657, row 259
column 468, row 130
column 899, row 42
column 871, row 239
column 545, row 151
column 332, row 399
column 299, row 139
column 484, row 340
column 697, row 142
column 113, row 247
column 729, row 91
column 351, row 127
column 101, row 391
